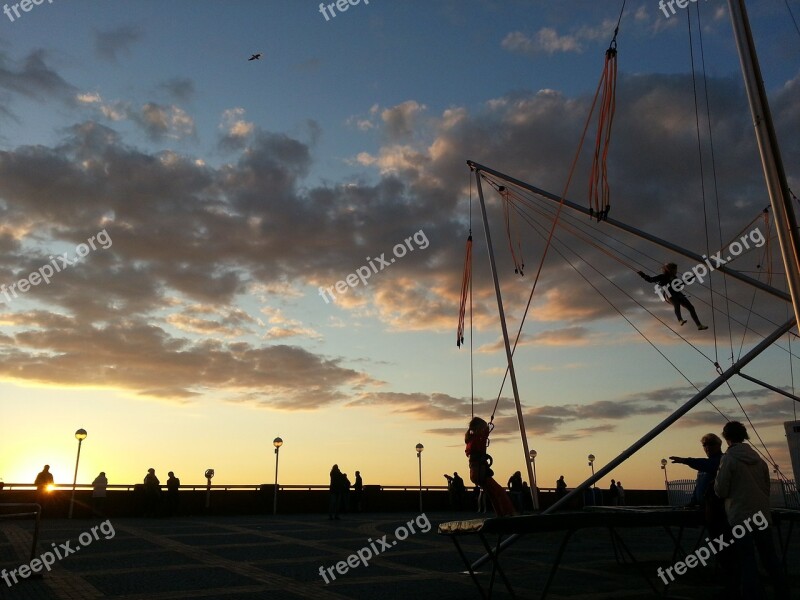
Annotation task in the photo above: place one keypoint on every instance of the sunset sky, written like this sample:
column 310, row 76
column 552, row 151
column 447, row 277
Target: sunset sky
column 229, row 191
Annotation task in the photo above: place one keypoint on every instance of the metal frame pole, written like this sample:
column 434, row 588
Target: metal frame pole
column 785, row 221
column 658, row 429
column 633, row 231
column 509, row 355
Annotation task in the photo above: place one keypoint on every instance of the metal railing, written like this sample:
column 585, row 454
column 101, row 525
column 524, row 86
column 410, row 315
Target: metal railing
column 34, row 510
column 782, row 493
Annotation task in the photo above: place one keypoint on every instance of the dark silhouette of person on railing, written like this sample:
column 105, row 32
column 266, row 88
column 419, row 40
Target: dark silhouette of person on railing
column 43, row 480
column 515, row 488
column 561, row 488
column 99, row 494
column 358, row 487
column 173, row 485
column 152, row 493
column 346, row 484
column 476, row 439
column 336, row 492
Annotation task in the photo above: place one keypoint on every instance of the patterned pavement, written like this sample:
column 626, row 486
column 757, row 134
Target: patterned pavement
column 248, row 558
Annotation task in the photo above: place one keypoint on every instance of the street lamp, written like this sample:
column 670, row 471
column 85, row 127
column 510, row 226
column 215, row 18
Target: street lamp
column 277, row 442
column 664, row 468
column 594, row 485
column 534, row 487
column 209, row 476
column 420, row 448
column 80, row 435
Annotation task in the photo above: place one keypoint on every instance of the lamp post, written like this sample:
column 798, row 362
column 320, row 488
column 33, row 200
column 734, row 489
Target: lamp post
column 534, row 487
column 419, row 449
column 594, row 485
column 664, row 468
column 80, row 435
column 277, row 442
column 209, row 476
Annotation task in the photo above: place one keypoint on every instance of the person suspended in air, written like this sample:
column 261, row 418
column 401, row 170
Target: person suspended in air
column 668, row 287
column 480, row 473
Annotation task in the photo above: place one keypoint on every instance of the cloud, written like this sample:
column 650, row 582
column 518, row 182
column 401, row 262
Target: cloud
column 236, row 130
column 34, row 79
column 134, row 356
column 180, row 88
column 109, row 44
column 546, row 40
column 256, row 228
column 160, row 121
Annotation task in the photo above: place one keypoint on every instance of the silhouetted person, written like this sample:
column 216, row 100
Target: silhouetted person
column 459, row 489
column 561, row 488
column 152, row 493
column 515, row 488
column 527, row 499
column 743, row 482
column 455, row 490
column 345, row 493
column 358, row 488
column 43, row 480
column 712, row 507
column 706, row 467
column 476, row 439
column 665, row 287
column 450, row 498
column 613, row 493
column 335, row 493
column 620, row 494
column 173, row 485
column 99, row 494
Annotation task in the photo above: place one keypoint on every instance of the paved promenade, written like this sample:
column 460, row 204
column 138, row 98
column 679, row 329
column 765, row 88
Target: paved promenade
column 249, row 558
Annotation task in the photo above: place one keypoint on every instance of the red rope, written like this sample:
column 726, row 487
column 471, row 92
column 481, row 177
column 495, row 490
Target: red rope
column 599, row 190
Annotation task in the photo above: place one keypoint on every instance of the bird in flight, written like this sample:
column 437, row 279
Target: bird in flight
column 255, row 57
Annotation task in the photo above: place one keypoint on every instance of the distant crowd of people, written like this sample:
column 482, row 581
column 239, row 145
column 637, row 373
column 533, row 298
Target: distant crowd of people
column 151, row 489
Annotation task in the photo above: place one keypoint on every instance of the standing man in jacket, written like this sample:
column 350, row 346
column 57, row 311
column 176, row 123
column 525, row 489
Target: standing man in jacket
column 743, row 482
